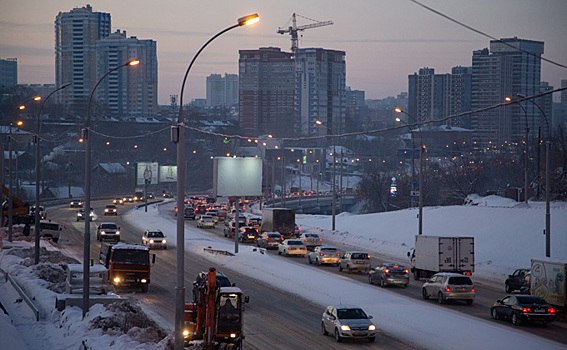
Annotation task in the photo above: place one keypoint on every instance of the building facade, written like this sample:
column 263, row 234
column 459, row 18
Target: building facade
column 266, row 92
column 131, row 91
column 222, row 91
column 76, row 34
column 510, row 68
column 8, row 72
column 320, row 91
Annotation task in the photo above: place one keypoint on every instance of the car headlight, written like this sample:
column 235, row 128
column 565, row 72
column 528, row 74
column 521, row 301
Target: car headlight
column 185, row 332
column 102, row 232
column 164, row 241
column 143, row 280
column 117, row 280
column 371, row 327
column 233, row 335
column 344, row 327
column 151, row 241
column 117, row 232
column 106, row 210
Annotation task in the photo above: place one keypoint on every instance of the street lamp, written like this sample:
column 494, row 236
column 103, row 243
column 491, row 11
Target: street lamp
column 547, row 180
column 526, row 156
column 36, row 139
column 87, row 238
column 333, row 201
column 178, row 136
column 412, row 160
column 10, row 201
column 420, row 212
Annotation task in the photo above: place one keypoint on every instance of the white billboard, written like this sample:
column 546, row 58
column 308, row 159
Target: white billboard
column 146, row 171
column 237, row 176
column 168, row 173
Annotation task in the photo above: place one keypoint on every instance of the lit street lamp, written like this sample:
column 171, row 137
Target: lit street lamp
column 37, row 170
column 333, row 200
column 10, row 189
column 87, row 238
column 420, row 212
column 178, row 136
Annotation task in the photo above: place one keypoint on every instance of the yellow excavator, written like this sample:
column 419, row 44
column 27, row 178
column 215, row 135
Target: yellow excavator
column 20, row 210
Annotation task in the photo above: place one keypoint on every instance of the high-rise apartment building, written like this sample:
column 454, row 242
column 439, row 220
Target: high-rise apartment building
column 76, row 34
column 131, row 91
column 562, row 119
column 8, row 72
column 320, row 91
column 266, row 92
column 510, row 68
column 222, row 91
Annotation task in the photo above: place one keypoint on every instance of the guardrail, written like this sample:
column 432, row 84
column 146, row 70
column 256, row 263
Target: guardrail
column 22, row 294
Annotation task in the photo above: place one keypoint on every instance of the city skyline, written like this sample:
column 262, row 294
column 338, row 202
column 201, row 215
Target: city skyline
column 384, row 41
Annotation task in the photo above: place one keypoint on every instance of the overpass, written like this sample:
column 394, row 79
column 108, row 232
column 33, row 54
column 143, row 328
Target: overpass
column 312, row 204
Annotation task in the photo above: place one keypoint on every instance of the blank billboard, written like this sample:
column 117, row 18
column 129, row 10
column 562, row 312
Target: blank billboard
column 237, row 176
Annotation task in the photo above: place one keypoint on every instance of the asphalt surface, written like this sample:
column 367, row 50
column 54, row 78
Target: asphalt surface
column 274, row 319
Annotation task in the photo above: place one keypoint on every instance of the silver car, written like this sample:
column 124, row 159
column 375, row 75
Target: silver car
column 324, row 255
column 449, row 286
column 347, row 321
column 355, row 262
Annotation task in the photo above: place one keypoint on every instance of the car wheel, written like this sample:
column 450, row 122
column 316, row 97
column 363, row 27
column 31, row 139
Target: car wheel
column 318, row 262
column 338, row 337
column 144, row 288
column 424, row 294
column 515, row 320
column 494, row 314
column 348, row 270
column 370, row 278
column 371, row 339
column 323, row 329
column 382, row 283
column 279, row 253
column 440, row 298
column 309, row 260
column 340, row 268
column 508, row 288
column 470, row 301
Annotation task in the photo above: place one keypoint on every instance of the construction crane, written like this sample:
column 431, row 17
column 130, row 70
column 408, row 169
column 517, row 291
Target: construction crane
column 293, row 29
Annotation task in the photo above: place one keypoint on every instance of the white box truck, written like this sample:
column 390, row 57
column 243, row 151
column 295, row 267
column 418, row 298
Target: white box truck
column 548, row 281
column 434, row 254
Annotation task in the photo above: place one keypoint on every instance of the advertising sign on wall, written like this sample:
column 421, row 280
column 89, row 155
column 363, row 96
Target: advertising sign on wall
column 168, row 173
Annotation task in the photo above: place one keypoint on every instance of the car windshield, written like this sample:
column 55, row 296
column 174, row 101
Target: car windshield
column 274, row 236
column 48, row 226
column 223, row 281
column 359, row 256
column 155, row 234
column 294, row 243
column 311, row 235
column 460, row 281
column 328, row 250
column 131, row 256
column 525, row 299
column 108, row 226
column 350, row 314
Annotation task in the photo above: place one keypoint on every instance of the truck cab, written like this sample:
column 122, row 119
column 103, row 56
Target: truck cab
column 127, row 264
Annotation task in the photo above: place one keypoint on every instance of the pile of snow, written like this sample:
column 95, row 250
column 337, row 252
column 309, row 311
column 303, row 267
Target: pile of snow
column 490, row 201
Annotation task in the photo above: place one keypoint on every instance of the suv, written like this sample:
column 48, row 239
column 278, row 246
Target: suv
column 449, row 286
column 108, row 231
column 355, row 261
column 269, row 240
column 49, row 229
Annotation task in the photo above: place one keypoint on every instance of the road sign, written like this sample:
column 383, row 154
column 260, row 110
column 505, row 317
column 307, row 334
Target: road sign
column 277, row 192
column 414, row 183
column 414, row 193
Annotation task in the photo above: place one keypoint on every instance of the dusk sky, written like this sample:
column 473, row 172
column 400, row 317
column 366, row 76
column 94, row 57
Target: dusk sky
column 384, row 40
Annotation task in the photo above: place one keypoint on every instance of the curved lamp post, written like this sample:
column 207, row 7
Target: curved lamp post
column 178, row 136
column 333, row 200
column 36, row 140
column 526, row 155
column 87, row 238
column 420, row 213
column 547, row 180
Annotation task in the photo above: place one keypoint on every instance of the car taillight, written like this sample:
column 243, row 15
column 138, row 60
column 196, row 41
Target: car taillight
column 305, row 239
column 289, row 248
column 321, row 254
column 447, row 289
column 468, row 274
column 320, row 240
column 551, row 310
column 472, row 290
column 368, row 257
column 338, row 254
column 406, row 270
column 387, row 271
column 267, row 239
column 526, row 309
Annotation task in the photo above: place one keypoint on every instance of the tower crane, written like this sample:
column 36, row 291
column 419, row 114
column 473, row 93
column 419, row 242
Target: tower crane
column 293, row 29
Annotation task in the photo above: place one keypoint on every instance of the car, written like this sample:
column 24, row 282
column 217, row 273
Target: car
column 50, row 229
column 389, row 274
column 76, row 203
column 42, row 212
column 118, row 200
column 449, row 286
column 516, row 281
column 108, row 231
column 128, row 199
column 151, row 195
column 213, row 213
column 248, row 234
column 292, row 247
column 355, row 262
column 347, row 322
column 230, row 226
column 297, row 231
column 110, row 209
column 255, row 222
column 523, row 308
column 154, row 239
column 269, row 240
column 324, row 255
column 201, row 209
column 311, row 240
column 222, row 214
column 206, row 221
column 81, row 214
column 167, row 195
column 189, row 212
column 222, row 281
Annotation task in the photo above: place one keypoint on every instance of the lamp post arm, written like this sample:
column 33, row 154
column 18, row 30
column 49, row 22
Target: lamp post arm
column 94, row 89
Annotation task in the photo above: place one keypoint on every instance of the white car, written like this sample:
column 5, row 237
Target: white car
column 324, row 255
column 292, row 247
column 206, row 221
column 311, row 240
column 347, row 322
column 154, row 239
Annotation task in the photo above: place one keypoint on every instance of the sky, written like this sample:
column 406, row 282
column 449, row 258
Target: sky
column 418, row 322
column 384, row 40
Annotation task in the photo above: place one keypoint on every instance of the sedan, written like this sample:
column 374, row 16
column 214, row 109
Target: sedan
column 346, row 321
column 154, row 238
column 76, row 203
column 389, row 274
column 292, row 247
column 118, row 200
column 523, row 308
column 206, row 221
column 248, row 234
column 311, row 240
column 516, row 281
column 110, row 209
column 324, row 255
column 81, row 214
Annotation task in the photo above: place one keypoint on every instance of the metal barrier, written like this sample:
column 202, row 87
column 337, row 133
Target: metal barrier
column 22, row 294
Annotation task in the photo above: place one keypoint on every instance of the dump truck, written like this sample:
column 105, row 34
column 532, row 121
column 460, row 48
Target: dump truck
column 20, row 210
column 547, row 280
column 127, row 264
column 434, row 254
column 281, row 220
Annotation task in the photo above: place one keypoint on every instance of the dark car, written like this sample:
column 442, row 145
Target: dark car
column 76, row 203
column 222, row 281
column 523, row 308
column 248, row 234
column 517, row 281
column 389, row 274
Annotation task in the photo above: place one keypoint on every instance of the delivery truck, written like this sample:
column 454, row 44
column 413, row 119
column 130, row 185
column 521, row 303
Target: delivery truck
column 434, row 254
column 547, row 281
column 281, row 220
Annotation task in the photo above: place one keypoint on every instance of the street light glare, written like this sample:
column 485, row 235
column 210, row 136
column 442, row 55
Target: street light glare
column 20, row 123
column 134, row 62
column 22, row 107
column 398, row 110
column 318, row 122
column 398, row 120
column 248, row 20
column 37, row 98
column 508, row 99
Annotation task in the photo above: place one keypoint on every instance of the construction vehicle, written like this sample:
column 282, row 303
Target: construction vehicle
column 293, row 29
column 128, row 264
column 20, row 210
column 214, row 318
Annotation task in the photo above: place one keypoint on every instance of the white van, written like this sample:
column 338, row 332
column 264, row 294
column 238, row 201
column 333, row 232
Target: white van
column 50, row 229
